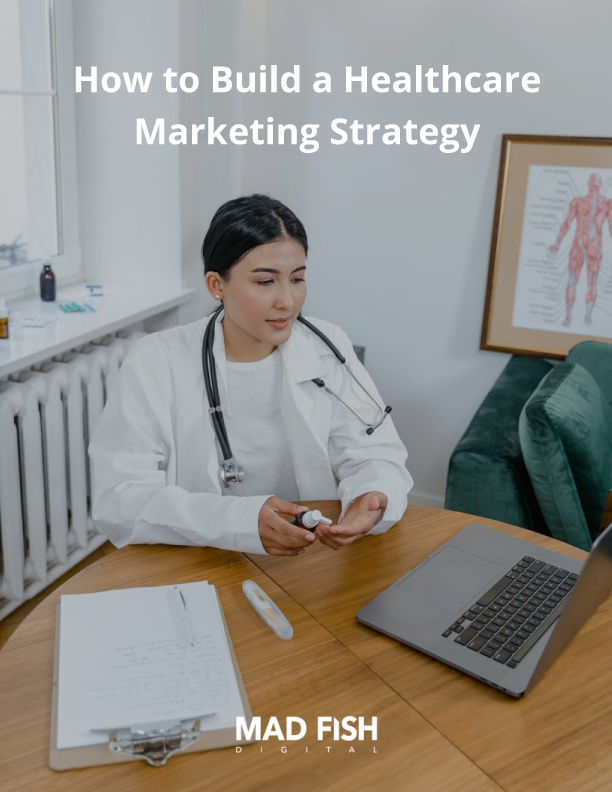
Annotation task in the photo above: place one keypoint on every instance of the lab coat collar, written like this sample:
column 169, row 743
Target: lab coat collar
column 301, row 357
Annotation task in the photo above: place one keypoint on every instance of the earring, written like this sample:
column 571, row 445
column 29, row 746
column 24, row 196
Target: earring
column 216, row 296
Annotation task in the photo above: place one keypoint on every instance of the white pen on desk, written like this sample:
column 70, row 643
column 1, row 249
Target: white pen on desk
column 183, row 615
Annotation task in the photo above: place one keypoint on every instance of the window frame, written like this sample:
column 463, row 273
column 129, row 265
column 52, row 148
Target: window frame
column 23, row 280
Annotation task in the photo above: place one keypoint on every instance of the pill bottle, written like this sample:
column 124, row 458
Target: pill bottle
column 310, row 519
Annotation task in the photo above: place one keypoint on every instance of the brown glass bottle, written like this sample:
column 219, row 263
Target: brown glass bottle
column 47, row 283
column 4, row 322
column 310, row 519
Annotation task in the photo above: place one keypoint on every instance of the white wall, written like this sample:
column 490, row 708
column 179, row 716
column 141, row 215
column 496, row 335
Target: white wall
column 400, row 236
column 129, row 195
column 209, row 33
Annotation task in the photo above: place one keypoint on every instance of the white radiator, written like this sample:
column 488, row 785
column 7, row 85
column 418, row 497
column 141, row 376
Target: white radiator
column 47, row 416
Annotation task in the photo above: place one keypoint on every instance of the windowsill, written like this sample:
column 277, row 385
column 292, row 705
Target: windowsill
column 118, row 309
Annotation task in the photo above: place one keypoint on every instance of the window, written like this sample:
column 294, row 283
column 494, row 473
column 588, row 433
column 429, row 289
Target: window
column 38, row 207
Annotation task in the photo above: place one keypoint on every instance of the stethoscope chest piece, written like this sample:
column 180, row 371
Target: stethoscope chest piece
column 230, row 473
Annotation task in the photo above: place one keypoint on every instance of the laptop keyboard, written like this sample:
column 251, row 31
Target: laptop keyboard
column 508, row 619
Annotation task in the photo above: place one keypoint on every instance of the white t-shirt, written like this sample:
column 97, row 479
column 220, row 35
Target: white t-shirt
column 256, row 429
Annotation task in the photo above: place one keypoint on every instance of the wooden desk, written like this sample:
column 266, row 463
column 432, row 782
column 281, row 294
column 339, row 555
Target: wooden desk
column 310, row 676
column 559, row 738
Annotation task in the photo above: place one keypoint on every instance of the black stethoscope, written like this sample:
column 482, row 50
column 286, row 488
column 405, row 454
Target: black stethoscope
column 230, row 472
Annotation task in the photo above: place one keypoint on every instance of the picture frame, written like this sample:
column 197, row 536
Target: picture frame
column 549, row 283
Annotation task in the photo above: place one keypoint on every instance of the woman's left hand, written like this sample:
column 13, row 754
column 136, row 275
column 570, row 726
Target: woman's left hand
column 360, row 517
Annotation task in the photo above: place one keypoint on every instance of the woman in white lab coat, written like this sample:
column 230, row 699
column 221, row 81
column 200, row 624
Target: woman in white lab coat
column 155, row 457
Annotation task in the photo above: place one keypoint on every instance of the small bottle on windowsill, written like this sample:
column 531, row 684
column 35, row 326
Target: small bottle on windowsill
column 4, row 323
column 47, row 283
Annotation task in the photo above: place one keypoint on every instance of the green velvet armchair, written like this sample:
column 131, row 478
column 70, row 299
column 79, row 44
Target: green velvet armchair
column 538, row 452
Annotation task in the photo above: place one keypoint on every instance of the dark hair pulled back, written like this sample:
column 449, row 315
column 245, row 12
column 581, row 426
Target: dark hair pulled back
column 242, row 224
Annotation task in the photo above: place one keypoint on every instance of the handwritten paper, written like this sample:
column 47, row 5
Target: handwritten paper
column 123, row 661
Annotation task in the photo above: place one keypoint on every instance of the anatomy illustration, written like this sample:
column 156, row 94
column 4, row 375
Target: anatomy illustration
column 591, row 213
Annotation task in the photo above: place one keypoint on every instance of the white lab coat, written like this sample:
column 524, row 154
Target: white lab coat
column 155, row 459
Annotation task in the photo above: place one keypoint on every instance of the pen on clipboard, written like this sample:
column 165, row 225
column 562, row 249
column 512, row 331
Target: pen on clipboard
column 182, row 615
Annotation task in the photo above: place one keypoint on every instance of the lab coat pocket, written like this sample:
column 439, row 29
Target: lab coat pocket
column 307, row 414
column 197, row 450
column 320, row 417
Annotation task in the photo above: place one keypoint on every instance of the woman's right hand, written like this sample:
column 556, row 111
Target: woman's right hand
column 278, row 536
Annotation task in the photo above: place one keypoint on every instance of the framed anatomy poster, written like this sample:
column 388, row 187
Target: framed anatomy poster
column 550, row 270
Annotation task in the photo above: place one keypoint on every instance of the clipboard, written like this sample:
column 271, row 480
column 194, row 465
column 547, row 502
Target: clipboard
column 155, row 746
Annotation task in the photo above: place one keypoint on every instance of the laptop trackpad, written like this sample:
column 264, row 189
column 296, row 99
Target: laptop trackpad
column 452, row 578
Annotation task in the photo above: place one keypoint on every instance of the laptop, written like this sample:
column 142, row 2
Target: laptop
column 495, row 607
